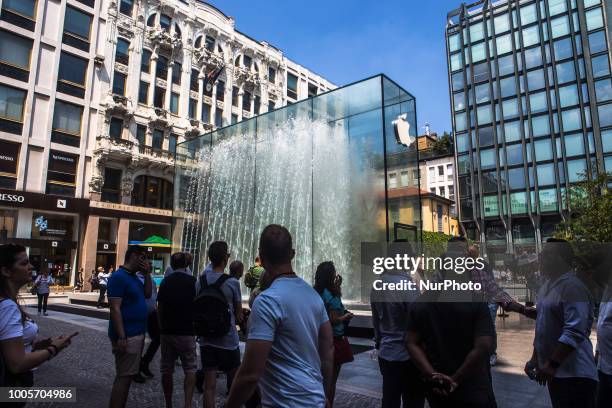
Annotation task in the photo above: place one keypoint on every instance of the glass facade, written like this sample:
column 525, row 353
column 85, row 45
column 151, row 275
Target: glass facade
column 329, row 184
column 531, row 110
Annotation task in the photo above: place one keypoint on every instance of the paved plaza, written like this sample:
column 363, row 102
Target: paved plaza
column 88, row 363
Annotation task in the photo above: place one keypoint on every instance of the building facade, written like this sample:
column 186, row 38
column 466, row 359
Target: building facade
column 531, row 100
column 94, row 97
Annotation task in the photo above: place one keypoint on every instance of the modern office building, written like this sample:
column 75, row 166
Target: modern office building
column 531, row 101
column 94, row 97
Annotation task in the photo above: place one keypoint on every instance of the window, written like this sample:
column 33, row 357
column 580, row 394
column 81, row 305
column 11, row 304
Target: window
column 603, row 90
column 606, row 142
column 234, row 119
column 531, row 36
column 15, row 52
column 176, row 73
column 485, row 136
column 126, row 7
column 162, row 67
column 235, row 96
column 61, row 173
column 143, row 93
column 546, row 174
column 460, row 122
column 246, row 101
column 571, row 120
column 174, row 103
column 563, row 49
column 538, row 102
column 209, row 43
column 11, row 109
column 535, row 80
column 122, row 53
column 574, row 145
column 159, row 97
column 482, row 93
column 556, row 7
column 21, row 13
column 404, row 178
column 194, row 80
column 576, row 170
column 72, row 75
column 566, row 72
column 484, row 114
column 568, row 95
column 145, row 63
column 67, row 123
column 271, row 75
column 478, row 53
column 219, row 117
column 312, row 90
column 487, row 158
column 193, row 106
column 165, row 22
column 594, row 19
column 271, row 105
column 508, row 87
column 548, row 200
column 157, row 139
column 206, row 113
column 476, row 32
column 459, row 101
column 560, row 27
column 456, row 61
column 115, row 128
column 152, row 192
column 491, row 206
column 529, row 14
column 392, row 180
column 454, row 42
column 514, row 154
column 597, row 42
column 516, row 178
column 172, row 142
column 481, row 72
column 533, row 57
column 292, row 86
column 506, row 65
column 141, row 134
column 601, row 66
column 220, row 91
column 457, row 80
column 442, row 191
column 512, row 131
column 510, row 108
column 501, row 23
column 77, row 28
column 540, row 126
column 119, row 83
column 256, row 105
column 111, row 190
column 605, row 115
column 504, row 44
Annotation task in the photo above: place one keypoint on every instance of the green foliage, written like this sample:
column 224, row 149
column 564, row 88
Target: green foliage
column 591, row 211
column 442, row 144
column 434, row 244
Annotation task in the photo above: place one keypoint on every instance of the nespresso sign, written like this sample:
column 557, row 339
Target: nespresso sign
column 26, row 199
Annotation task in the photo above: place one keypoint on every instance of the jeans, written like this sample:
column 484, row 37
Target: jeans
column 153, row 330
column 572, row 392
column 42, row 302
column 493, row 311
column 401, row 382
column 102, row 293
column 604, row 391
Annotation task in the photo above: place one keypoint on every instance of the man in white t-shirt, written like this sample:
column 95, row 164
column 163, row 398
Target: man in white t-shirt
column 289, row 351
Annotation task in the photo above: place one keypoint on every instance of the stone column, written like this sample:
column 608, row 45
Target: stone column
column 90, row 248
column 122, row 239
column 200, row 96
column 152, row 75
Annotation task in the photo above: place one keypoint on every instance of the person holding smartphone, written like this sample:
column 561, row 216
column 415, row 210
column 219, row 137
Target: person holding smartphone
column 19, row 347
column 128, row 319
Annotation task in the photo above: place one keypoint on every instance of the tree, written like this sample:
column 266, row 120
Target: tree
column 443, row 144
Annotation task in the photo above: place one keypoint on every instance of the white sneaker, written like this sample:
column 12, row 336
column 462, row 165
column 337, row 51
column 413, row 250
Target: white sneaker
column 493, row 359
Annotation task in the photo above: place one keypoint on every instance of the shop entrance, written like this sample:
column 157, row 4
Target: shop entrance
column 57, row 261
column 106, row 260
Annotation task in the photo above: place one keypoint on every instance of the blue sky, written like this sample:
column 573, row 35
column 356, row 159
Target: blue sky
column 347, row 40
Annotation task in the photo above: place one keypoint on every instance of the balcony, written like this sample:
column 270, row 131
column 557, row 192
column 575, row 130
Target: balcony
column 155, row 152
column 246, row 76
column 164, row 40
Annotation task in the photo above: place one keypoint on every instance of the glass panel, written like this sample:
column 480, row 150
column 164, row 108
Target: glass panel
column 478, row 53
column 568, row 95
column 563, row 49
column 605, row 115
column 556, row 7
column 594, row 19
column 512, row 131
column 482, row 93
column 514, row 154
column 77, row 23
column 504, row 44
column 11, row 103
column 540, row 126
column 603, row 90
column 456, row 62
column 24, row 7
column 501, row 23
column 576, row 170
column 548, row 199
column 510, row 108
column 574, row 145
column 535, row 80
column 508, row 87
column 566, row 72
column 453, row 43
column 531, row 36
column 15, row 50
column 516, row 178
column 533, row 58
column 491, row 206
column 459, row 101
column 506, row 65
column 543, row 150
column 529, row 14
column 481, row 72
column 546, row 174
column 72, row 69
column 597, row 42
column 485, row 136
column 460, row 122
column 560, row 26
column 538, row 102
column 606, row 141
column 67, row 117
column 476, row 32
column 484, row 114
column 457, row 81
column 601, row 66
column 571, row 120
column 487, row 158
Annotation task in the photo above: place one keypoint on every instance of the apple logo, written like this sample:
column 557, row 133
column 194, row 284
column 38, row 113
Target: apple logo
column 401, row 127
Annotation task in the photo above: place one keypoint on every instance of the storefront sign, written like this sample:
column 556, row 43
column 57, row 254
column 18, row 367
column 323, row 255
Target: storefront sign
column 130, row 211
column 9, row 157
column 130, row 208
column 26, row 199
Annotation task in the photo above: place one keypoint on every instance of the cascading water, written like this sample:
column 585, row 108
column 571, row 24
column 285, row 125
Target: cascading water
column 297, row 174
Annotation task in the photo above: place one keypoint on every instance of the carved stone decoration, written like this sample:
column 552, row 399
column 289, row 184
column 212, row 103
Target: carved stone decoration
column 127, row 186
column 117, row 105
column 249, row 78
column 164, row 40
column 121, row 68
column 206, row 58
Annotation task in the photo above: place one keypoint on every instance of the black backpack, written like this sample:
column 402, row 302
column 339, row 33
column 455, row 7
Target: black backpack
column 211, row 313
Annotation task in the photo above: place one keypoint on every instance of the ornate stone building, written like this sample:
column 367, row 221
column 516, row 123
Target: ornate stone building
column 170, row 71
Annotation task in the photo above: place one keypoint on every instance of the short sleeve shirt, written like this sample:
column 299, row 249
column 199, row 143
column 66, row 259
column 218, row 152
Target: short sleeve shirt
column 130, row 289
column 292, row 377
column 231, row 290
column 175, row 299
column 334, row 303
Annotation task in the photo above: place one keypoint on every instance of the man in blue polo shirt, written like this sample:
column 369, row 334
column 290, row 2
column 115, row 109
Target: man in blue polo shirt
column 128, row 319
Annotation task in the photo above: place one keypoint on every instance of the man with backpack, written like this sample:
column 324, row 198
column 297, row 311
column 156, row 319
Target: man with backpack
column 174, row 304
column 217, row 307
column 253, row 275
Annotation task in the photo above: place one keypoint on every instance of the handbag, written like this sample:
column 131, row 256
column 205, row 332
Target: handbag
column 34, row 290
column 342, row 351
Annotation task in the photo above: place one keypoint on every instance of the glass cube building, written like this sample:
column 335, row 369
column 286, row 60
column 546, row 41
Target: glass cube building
column 531, row 101
column 318, row 167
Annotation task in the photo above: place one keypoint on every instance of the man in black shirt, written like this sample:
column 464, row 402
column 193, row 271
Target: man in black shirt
column 174, row 304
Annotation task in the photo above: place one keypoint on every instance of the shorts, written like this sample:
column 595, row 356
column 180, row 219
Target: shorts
column 214, row 358
column 127, row 363
column 173, row 347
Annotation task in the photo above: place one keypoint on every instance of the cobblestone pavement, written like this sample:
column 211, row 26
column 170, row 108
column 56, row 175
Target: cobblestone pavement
column 88, row 363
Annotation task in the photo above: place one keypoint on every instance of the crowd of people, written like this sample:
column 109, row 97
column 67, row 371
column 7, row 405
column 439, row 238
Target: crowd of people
column 435, row 346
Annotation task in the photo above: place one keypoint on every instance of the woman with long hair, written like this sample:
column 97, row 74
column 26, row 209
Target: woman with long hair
column 328, row 284
column 19, row 348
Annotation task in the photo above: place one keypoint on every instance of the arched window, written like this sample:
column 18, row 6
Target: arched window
column 122, row 54
column 210, row 43
column 198, row 42
column 151, row 20
column 177, row 31
column 165, row 22
column 152, row 192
